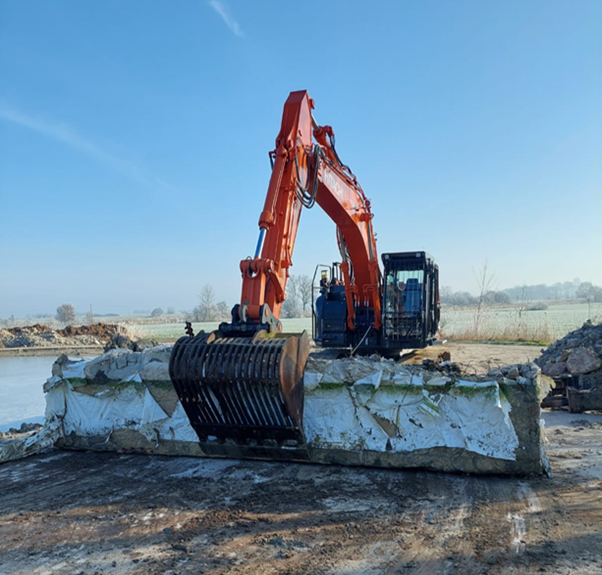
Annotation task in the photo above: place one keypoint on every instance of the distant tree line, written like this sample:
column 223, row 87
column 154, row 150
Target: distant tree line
column 297, row 303
column 565, row 291
column 463, row 298
column 575, row 290
column 158, row 311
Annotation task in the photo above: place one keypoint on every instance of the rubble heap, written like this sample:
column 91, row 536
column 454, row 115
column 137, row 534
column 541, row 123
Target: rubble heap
column 40, row 335
column 578, row 353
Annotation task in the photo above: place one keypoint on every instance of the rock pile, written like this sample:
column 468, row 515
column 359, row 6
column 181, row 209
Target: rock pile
column 25, row 428
column 578, row 353
column 123, row 341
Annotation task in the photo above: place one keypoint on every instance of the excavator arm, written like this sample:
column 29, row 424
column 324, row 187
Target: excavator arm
column 307, row 170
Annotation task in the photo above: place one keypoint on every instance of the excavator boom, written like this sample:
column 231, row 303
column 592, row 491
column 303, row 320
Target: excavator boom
column 307, row 172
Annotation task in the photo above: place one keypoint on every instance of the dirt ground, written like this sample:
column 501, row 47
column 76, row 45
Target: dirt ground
column 91, row 514
column 477, row 358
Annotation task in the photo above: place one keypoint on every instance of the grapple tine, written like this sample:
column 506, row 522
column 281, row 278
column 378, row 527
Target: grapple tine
column 243, row 396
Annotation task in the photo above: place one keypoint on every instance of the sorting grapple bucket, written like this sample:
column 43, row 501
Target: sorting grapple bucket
column 242, row 395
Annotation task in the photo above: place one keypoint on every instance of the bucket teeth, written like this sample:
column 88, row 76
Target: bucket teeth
column 242, row 391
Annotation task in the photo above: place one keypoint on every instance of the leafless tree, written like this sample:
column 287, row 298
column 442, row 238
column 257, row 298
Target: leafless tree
column 485, row 283
column 206, row 310
column 304, row 291
column 65, row 313
column 90, row 316
column 222, row 311
column 291, row 307
column 298, row 296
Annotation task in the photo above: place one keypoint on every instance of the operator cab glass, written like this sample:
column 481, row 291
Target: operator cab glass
column 403, row 291
column 410, row 310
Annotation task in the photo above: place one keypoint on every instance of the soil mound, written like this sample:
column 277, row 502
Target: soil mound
column 102, row 331
column 123, row 341
column 39, row 335
column 30, row 328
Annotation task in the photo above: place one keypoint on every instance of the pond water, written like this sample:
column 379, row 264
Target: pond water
column 21, row 389
column 21, row 394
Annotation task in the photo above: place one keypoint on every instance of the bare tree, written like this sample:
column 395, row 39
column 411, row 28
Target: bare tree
column 485, row 282
column 291, row 307
column 9, row 322
column 65, row 313
column 157, row 312
column 90, row 316
column 304, row 291
column 206, row 310
column 222, row 311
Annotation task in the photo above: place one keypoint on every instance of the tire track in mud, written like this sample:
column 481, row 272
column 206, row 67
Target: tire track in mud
column 415, row 523
column 438, row 527
column 72, row 512
column 482, row 524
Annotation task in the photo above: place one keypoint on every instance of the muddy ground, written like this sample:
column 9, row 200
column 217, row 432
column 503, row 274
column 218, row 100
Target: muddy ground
column 91, row 514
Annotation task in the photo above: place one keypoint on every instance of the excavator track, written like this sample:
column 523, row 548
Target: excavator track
column 243, row 395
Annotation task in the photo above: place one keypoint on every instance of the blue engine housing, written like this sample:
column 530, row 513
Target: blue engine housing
column 331, row 317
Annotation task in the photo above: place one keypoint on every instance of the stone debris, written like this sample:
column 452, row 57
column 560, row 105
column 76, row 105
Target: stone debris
column 40, row 335
column 30, row 439
column 521, row 373
column 578, row 353
column 445, row 366
column 101, row 334
column 24, row 428
column 123, row 341
column 575, row 364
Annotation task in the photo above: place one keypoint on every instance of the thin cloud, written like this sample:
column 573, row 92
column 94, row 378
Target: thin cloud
column 67, row 135
column 223, row 11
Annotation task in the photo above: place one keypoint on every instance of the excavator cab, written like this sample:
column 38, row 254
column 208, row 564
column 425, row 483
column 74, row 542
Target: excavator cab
column 410, row 308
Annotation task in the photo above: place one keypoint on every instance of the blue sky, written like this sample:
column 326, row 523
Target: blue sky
column 134, row 139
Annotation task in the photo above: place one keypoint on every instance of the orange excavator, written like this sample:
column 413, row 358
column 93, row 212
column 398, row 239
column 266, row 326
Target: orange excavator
column 242, row 385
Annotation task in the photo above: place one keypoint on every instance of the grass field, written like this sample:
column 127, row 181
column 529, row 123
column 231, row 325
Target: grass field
column 172, row 331
column 500, row 324
column 516, row 324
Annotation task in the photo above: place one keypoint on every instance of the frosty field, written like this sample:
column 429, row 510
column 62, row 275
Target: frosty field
column 514, row 323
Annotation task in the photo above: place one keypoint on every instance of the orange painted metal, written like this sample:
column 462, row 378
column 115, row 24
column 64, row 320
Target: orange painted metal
column 338, row 194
